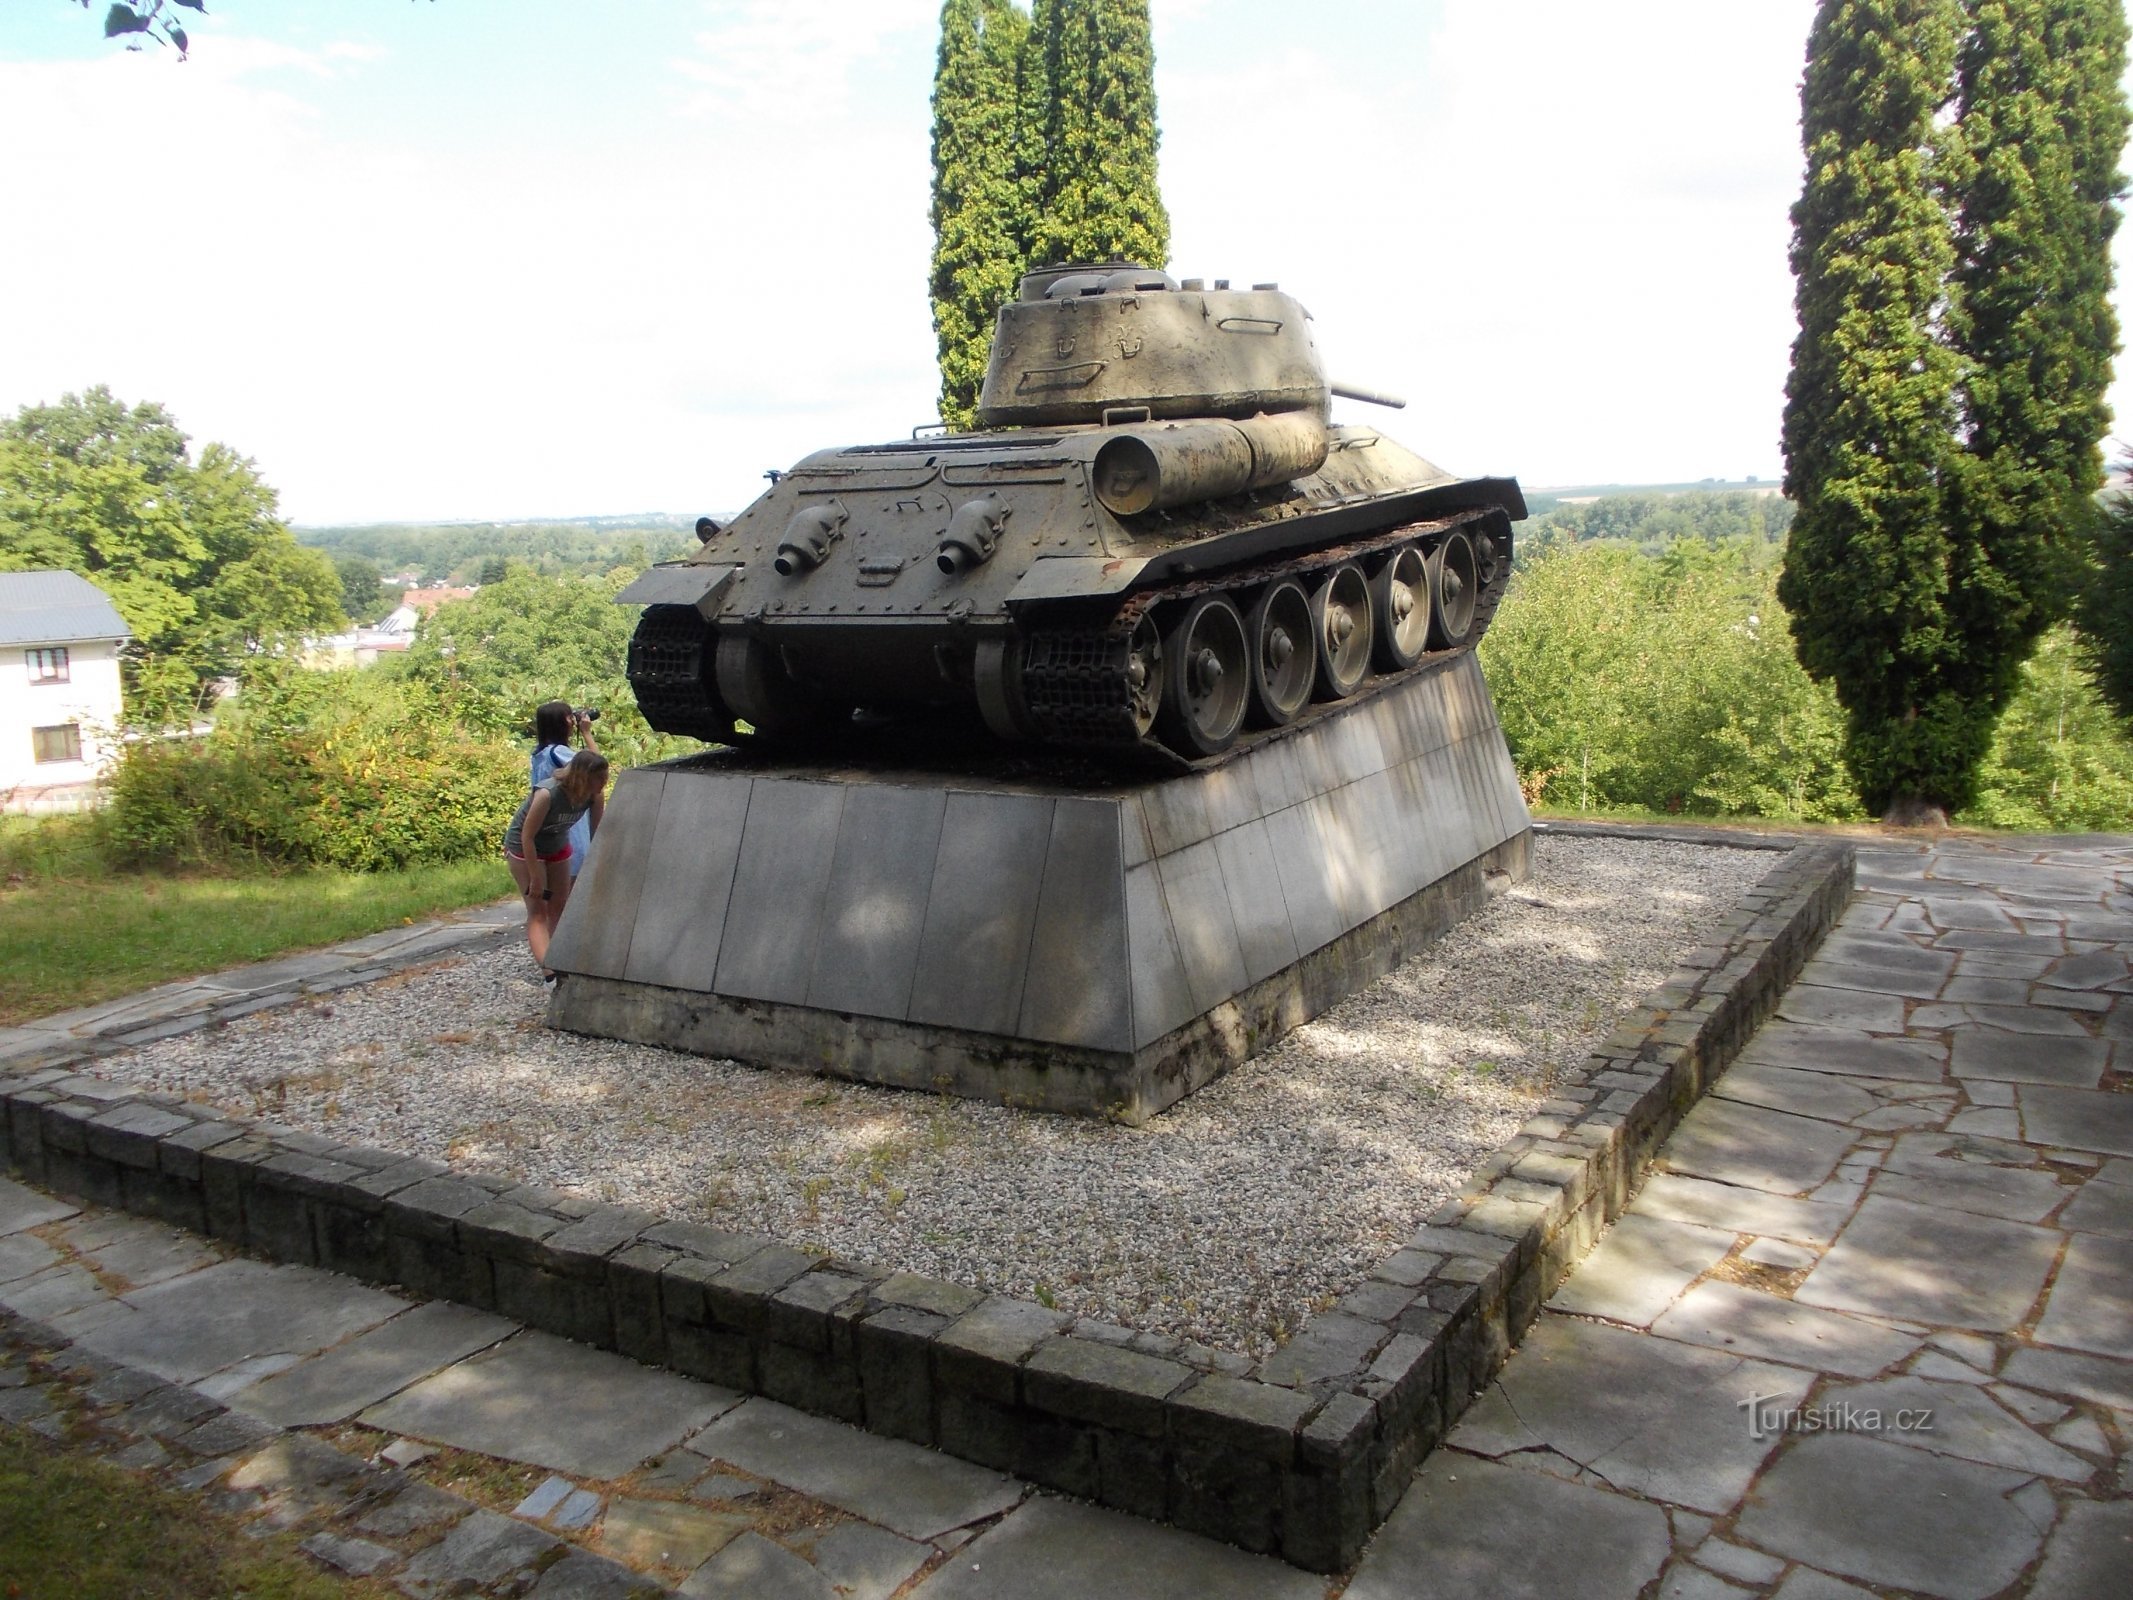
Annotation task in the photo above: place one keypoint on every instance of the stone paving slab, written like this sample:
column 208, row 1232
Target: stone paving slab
column 2079, row 1119
column 1637, row 1270
column 185, row 1328
column 543, row 1400
column 908, row 1489
column 1651, row 1417
column 1470, row 1528
column 23, row 1208
column 1059, row 1550
column 1746, row 1145
column 2091, row 1303
column 1726, row 1316
column 1894, row 1257
column 337, row 1383
column 1874, row 1511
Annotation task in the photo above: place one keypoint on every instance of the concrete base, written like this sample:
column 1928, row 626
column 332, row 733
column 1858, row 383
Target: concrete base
column 1040, row 944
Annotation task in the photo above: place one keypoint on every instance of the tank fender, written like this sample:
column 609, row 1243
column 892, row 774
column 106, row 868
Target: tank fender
column 679, row 583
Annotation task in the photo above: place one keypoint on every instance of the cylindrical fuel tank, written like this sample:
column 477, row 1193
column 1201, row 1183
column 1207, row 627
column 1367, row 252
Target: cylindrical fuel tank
column 1192, row 461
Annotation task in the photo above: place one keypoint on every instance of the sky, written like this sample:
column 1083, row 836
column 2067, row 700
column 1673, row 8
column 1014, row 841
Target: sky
column 499, row 259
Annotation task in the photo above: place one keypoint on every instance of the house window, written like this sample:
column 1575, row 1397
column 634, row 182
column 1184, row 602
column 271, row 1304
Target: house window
column 47, row 666
column 58, row 744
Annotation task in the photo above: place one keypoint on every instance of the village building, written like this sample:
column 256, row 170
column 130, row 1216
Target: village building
column 60, row 700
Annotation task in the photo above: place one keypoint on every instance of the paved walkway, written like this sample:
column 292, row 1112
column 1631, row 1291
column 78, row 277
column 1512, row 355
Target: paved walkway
column 1869, row 1326
column 1868, row 1330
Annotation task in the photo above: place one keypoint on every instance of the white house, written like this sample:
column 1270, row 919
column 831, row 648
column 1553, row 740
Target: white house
column 59, row 687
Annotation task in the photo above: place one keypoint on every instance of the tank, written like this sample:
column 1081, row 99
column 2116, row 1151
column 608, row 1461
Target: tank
column 1154, row 541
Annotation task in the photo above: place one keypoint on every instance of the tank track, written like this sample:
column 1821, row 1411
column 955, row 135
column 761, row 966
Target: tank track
column 672, row 671
column 1074, row 679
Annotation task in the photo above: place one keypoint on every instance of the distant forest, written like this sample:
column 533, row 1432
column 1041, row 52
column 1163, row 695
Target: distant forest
column 1652, row 521
column 476, row 552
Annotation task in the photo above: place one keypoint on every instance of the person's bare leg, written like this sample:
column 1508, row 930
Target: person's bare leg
column 554, row 907
column 538, row 926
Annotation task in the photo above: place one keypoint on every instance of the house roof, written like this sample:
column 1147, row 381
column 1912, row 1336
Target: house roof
column 55, row 607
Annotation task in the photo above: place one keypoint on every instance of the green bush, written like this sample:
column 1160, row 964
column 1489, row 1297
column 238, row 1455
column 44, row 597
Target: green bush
column 2060, row 763
column 344, row 769
column 1662, row 683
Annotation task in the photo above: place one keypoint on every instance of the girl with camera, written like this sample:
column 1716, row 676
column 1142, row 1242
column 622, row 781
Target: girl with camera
column 553, row 723
column 537, row 845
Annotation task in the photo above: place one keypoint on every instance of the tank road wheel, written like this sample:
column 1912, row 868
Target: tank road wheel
column 1399, row 605
column 754, row 682
column 1340, row 613
column 1144, row 674
column 1455, row 584
column 1284, row 660
column 1206, row 678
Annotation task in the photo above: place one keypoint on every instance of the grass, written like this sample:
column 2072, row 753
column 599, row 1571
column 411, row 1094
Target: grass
column 78, row 931
column 75, row 1528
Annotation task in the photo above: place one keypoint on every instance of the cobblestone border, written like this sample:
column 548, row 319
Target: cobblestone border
column 1301, row 1455
column 363, row 1518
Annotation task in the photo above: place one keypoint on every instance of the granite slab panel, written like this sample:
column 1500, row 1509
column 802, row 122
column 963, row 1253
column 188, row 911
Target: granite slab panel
column 767, row 951
column 866, row 956
column 594, row 934
column 1258, row 908
column 1162, row 999
column 1205, row 927
column 974, row 954
column 1298, row 843
column 697, row 842
column 1078, row 990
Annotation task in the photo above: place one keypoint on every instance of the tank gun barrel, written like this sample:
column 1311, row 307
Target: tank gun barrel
column 1374, row 397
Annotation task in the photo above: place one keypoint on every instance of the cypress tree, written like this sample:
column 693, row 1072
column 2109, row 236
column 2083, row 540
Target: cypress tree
column 1951, row 250
column 978, row 206
column 2040, row 122
column 1870, row 403
column 1096, row 191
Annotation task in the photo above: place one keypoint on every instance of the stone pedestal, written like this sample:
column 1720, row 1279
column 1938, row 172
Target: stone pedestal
column 1099, row 952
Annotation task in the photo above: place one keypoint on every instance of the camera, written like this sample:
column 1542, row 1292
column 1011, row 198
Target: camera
column 587, row 713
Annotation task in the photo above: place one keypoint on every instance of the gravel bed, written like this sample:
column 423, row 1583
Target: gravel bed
column 1228, row 1219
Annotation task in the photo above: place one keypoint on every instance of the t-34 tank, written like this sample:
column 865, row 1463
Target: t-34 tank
column 1155, row 537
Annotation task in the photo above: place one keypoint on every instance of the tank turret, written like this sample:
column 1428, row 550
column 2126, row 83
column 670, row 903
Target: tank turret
column 1155, row 537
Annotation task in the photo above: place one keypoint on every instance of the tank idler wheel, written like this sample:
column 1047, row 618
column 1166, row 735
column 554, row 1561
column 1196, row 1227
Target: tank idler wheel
column 754, row 682
column 1144, row 674
column 1206, row 678
column 1340, row 615
column 1284, row 659
column 997, row 672
column 1455, row 584
column 1399, row 605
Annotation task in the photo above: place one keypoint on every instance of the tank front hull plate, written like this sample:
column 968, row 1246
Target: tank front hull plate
column 1094, row 953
